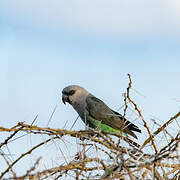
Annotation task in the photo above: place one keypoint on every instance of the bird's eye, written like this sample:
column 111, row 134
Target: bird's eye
column 71, row 92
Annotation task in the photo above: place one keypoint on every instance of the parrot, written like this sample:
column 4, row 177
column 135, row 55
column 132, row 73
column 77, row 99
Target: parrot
column 95, row 113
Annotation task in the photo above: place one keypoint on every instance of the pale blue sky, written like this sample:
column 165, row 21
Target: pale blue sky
column 45, row 46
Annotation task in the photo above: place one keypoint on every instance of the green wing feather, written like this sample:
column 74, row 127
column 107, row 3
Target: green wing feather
column 103, row 127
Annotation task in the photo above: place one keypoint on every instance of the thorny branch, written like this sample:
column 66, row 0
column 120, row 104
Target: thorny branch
column 100, row 155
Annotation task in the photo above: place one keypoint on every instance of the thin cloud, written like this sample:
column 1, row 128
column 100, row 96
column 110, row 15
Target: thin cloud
column 100, row 17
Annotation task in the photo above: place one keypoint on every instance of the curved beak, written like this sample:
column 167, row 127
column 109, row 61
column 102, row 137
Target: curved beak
column 65, row 99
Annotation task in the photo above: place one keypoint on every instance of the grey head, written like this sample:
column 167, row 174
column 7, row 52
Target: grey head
column 74, row 95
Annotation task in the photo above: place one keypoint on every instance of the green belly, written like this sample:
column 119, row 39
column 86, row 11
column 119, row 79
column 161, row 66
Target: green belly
column 104, row 127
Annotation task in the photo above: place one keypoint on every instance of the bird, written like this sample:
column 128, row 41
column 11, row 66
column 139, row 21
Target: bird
column 95, row 113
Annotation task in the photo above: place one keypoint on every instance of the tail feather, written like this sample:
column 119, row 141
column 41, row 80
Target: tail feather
column 126, row 130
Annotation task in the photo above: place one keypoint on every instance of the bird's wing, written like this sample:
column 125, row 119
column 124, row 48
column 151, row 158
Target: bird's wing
column 128, row 124
column 101, row 112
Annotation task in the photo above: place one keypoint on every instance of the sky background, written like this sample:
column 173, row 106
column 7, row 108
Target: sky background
column 47, row 45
